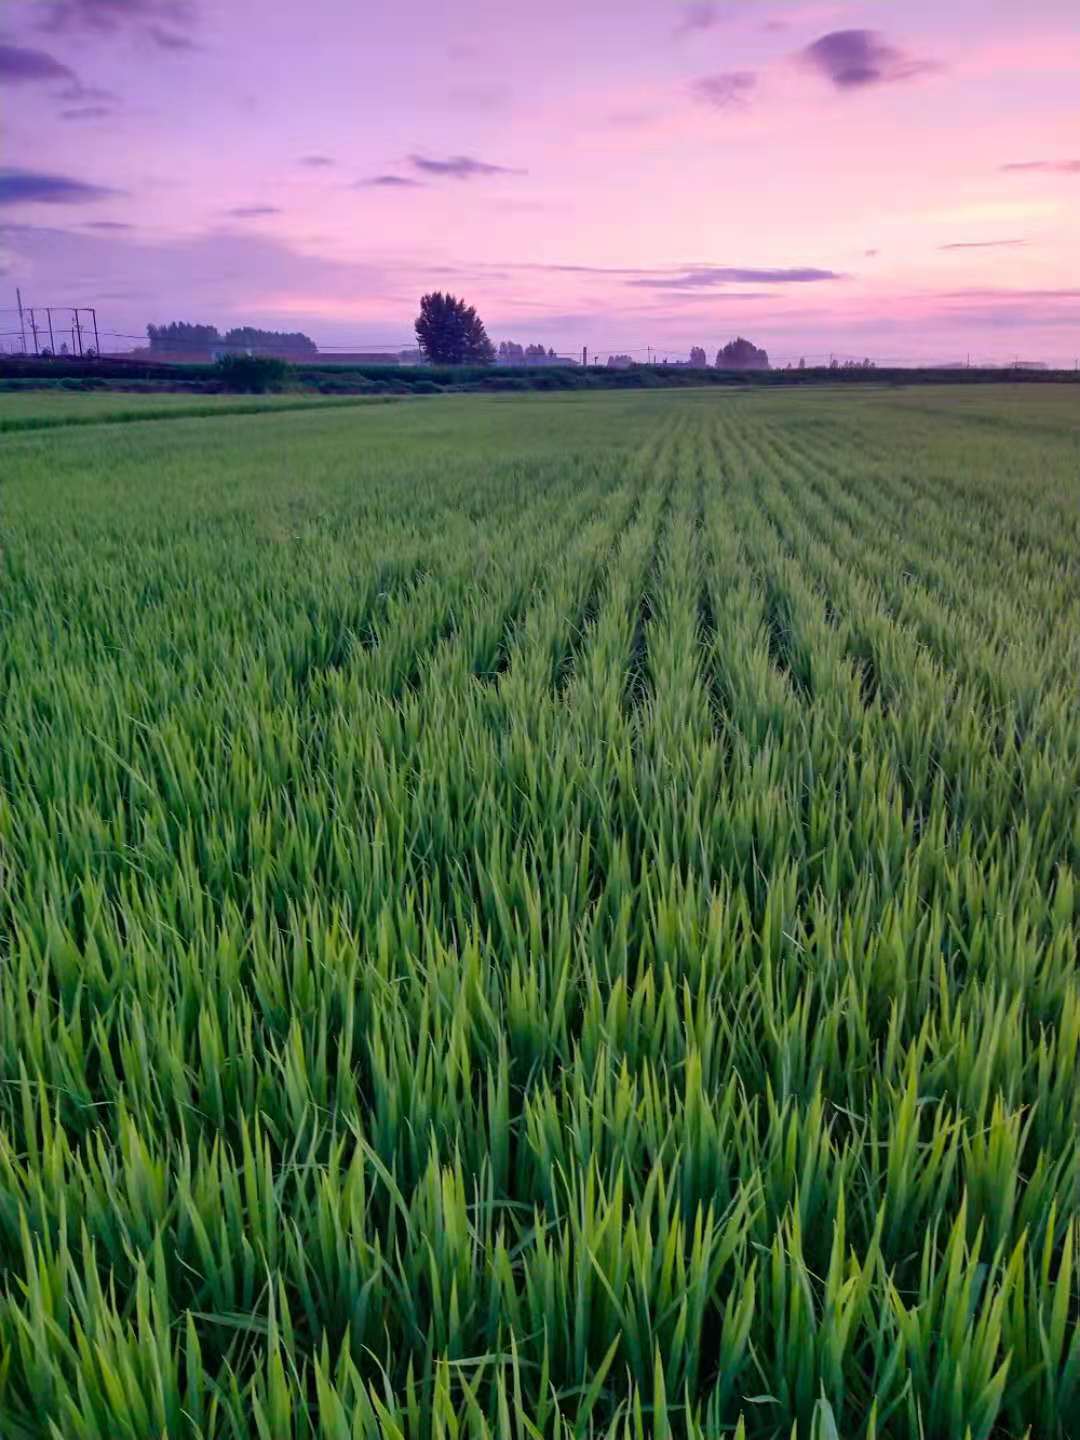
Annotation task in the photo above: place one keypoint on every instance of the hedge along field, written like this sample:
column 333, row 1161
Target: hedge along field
column 543, row 917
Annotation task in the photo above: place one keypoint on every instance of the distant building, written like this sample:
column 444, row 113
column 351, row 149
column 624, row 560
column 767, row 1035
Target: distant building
column 1028, row 365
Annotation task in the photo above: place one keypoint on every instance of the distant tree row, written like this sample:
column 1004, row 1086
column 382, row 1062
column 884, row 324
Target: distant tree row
column 510, row 353
column 181, row 335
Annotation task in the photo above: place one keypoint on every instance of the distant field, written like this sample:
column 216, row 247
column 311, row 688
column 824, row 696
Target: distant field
column 45, row 409
column 542, row 916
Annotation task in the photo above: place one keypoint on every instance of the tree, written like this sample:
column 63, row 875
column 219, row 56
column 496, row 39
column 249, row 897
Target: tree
column 271, row 342
column 451, row 333
column 739, row 354
column 181, row 335
column 511, row 353
column 698, row 358
column 620, row 362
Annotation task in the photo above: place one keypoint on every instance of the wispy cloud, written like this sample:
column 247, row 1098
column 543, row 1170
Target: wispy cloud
column 856, row 59
column 698, row 17
column 729, row 90
column 171, row 39
column 982, row 244
column 459, row 167
column 1045, row 167
column 86, row 112
column 716, row 275
column 109, row 16
column 77, row 93
column 108, row 225
column 22, row 66
column 316, row 162
column 33, row 187
column 252, row 212
column 390, row 182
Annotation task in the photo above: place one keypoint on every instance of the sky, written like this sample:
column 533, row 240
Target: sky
column 892, row 178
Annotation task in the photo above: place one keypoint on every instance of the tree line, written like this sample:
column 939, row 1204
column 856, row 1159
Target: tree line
column 184, row 336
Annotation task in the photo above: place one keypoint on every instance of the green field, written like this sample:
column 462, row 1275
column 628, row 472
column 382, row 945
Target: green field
column 543, row 916
column 46, row 409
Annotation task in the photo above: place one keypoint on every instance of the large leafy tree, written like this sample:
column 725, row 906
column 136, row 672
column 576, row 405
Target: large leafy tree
column 740, row 354
column 451, row 333
column 698, row 358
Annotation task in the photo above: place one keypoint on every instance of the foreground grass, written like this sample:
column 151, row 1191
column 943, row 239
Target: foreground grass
column 543, row 916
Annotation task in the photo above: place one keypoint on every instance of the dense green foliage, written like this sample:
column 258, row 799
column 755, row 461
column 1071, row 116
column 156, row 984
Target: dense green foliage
column 543, row 916
column 449, row 332
column 251, row 374
column 329, row 377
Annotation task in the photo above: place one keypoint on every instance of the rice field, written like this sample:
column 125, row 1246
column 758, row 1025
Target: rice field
column 544, row 916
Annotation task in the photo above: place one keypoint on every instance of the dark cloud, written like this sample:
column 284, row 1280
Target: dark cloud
column 871, row 253
column 316, row 162
column 460, row 167
column 390, row 182
column 855, row 59
column 729, row 90
column 734, row 275
column 252, row 212
column 698, row 17
column 31, row 186
column 19, row 66
column 981, row 244
column 1046, row 167
column 108, row 225
column 86, row 112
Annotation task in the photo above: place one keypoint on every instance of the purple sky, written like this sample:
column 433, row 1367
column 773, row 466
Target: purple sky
column 895, row 180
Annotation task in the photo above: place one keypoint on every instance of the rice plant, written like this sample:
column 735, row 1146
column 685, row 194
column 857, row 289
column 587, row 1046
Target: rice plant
column 542, row 917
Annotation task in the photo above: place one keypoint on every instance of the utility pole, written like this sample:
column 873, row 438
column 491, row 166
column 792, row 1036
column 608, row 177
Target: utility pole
column 33, row 328
column 52, row 342
column 78, row 331
column 97, row 343
column 584, row 357
column 22, row 327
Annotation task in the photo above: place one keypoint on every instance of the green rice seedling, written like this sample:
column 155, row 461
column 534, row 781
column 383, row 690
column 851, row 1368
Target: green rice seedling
column 541, row 917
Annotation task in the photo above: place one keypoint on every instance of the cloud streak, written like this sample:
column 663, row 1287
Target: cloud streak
column 982, row 244
column 33, row 187
column 858, row 59
column 86, row 112
column 390, row 182
column 729, row 90
column 718, row 275
column 1044, row 167
column 316, row 162
column 252, row 212
column 459, row 167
